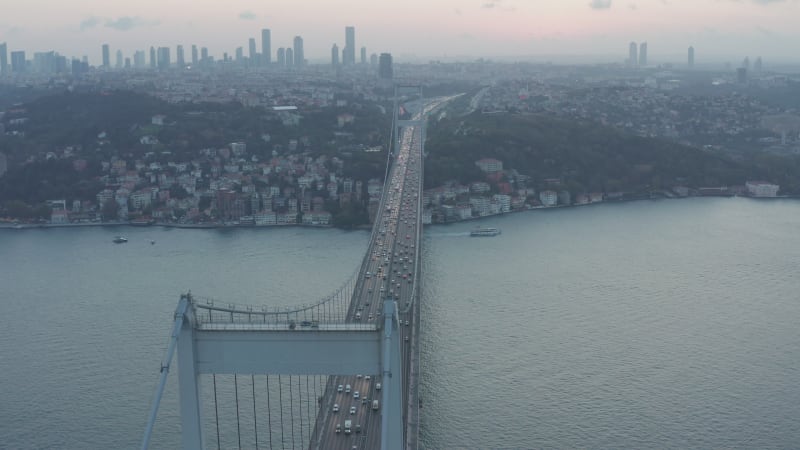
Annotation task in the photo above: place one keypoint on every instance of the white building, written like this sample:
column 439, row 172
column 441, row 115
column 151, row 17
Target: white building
column 762, row 189
column 548, row 198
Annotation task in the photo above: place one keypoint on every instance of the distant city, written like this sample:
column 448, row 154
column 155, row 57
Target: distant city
column 161, row 58
column 294, row 56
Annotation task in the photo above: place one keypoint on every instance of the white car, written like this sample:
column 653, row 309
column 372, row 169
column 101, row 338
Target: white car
column 335, row 407
column 352, row 410
column 355, row 394
column 340, row 388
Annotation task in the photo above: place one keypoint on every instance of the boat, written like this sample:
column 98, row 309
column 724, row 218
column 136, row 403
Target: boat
column 120, row 240
column 484, row 231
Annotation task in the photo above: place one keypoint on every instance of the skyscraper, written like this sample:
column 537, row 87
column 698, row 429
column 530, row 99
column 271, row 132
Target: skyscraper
column 643, row 54
column 239, row 55
column 373, row 59
column 299, row 57
column 181, row 60
column 204, row 60
column 349, row 46
column 385, row 70
column 138, row 59
column 289, row 57
column 118, row 63
column 281, row 56
column 163, row 58
column 691, row 57
column 152, row 57
column 106, row 56
column 363, row 55
column 335, row 55
column 3, row 58
column 194, row 55
column 266, row 47
column 633, row 58
column 758, row 64
column 251, row 45
column 18, row 61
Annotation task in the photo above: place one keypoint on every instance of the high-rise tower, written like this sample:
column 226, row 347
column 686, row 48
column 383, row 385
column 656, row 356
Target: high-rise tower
column 3, row 58
column 266, row 47
column 281, row 57
column 18, row 62
column 643, row 54
column 194, row 55
column 363, row 55
column 289, row 57
column 691, row 57
column 349, row 46
column 251, row 45
column 180, row 58
column 633, row 57
column 385, row 70
column 299, row 57
column 106, row 56
column 335, row 55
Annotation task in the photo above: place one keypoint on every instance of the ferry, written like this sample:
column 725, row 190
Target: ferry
column 120, row 240
column 484, row 231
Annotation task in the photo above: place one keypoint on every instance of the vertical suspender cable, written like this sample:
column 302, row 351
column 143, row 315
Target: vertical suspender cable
column 300, row 402
column 280, row 399
column 238, row 427
column 255, row 420
column 269, row 415
column 291, row 408
column 308, row 407
column 216, row 409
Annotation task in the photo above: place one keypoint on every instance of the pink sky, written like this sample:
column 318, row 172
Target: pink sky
column 721, row 29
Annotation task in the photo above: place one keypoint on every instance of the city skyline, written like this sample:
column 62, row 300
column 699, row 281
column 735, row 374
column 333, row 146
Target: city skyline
column 500, row 29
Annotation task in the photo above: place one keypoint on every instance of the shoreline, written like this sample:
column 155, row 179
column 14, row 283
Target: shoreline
column 27, row 226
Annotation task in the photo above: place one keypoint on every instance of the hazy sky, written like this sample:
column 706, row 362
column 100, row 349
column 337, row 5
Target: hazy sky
column 722, row 30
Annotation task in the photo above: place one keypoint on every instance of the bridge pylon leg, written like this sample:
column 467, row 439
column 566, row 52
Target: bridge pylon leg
column 392, row 371
column 188, row 386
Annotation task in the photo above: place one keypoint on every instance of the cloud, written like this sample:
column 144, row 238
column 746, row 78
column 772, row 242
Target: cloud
column 764, row 31
column 632, row 6
column 600, row 4
column 497, row 5
column 457, row 11
column 247, row 15
column 126, row 23
column 90, row 22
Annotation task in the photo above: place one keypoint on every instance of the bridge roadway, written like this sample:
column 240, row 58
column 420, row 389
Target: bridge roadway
column 391, row 268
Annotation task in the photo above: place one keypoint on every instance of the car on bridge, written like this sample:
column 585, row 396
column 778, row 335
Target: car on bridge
column 335, row 407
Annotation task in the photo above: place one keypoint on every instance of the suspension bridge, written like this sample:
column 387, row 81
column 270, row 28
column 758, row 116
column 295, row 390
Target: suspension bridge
column 339, row 373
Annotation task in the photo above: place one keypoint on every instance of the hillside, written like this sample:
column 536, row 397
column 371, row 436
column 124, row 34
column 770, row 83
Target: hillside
column 585, row 156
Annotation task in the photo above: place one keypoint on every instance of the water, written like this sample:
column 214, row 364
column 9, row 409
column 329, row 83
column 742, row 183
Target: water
column 667, row 324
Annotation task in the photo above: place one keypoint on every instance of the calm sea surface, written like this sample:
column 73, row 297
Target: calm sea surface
column 668, row 324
